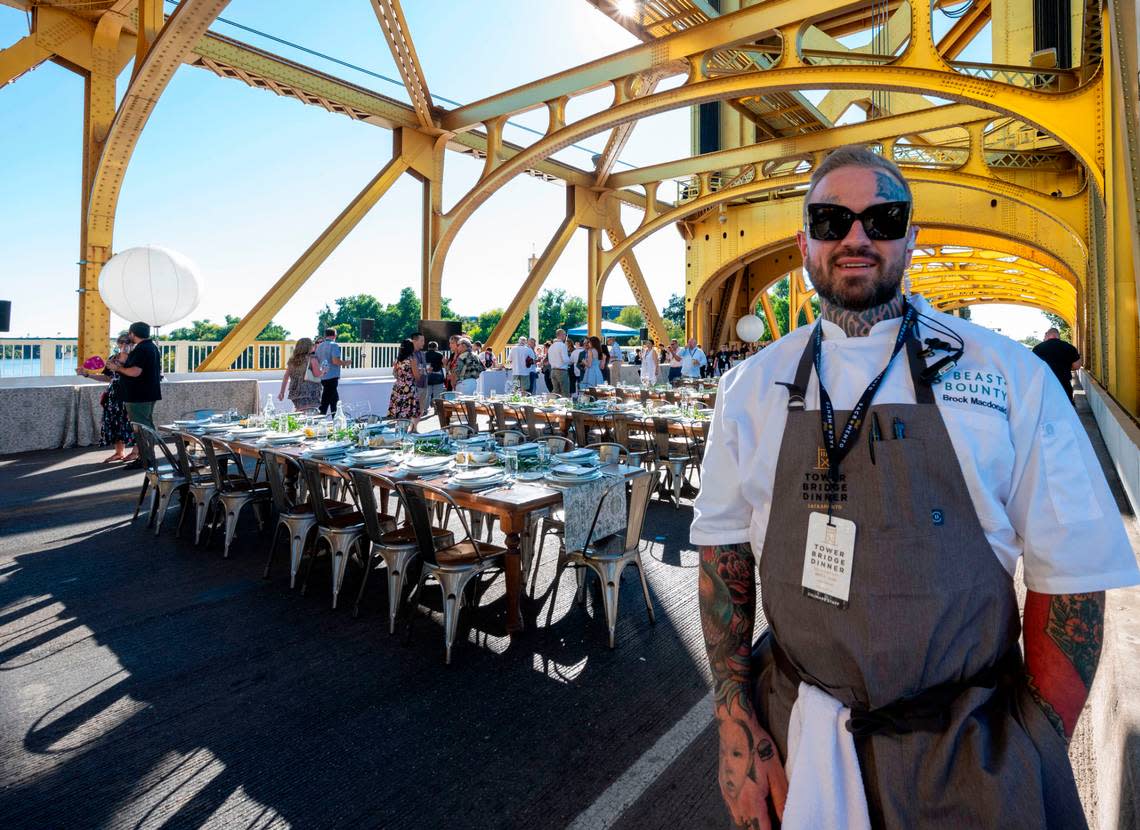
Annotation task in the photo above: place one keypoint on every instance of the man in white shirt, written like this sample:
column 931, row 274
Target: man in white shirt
column 885, row 470
column 692, row 359
column 520, row 371
column 559, row 359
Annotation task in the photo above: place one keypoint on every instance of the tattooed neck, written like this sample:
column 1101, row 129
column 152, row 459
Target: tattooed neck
column 859, row 323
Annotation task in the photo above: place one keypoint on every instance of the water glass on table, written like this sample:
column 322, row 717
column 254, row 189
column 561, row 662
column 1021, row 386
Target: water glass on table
column 510, row 462
column 543, row 453
column 407, row 446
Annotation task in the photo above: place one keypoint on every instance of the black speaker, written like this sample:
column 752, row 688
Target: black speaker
column 5, row 315
column 644, row 334
column 367, row 329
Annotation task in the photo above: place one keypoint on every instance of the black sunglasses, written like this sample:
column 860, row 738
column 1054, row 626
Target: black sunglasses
column 884, row 221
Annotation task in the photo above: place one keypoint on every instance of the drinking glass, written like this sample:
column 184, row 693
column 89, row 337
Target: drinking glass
column 407, row 446
column 510, row 462
column 462, row 459
column 543, row 453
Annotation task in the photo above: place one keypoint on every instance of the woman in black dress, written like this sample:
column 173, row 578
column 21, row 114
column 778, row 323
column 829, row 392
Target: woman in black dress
column 116, row 427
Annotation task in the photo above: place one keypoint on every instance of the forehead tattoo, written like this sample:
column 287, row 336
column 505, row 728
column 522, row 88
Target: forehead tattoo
column 889, row 188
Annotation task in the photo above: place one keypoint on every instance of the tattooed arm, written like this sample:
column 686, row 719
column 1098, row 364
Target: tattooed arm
column 750, row 769
column 1063, row 636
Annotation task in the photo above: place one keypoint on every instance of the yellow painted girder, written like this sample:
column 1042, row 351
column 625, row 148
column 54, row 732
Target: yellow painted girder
column 396, row 32
column 246, row 331
column 23, row 55
column 514, row 312
column 960, row 193
column 183, row 29
column 1074, row 118
column 818, row 142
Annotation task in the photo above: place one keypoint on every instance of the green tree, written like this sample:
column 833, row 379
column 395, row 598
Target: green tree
column 779, row 299
column 1030, row 341
column 1058, row 322
column 205, row 330
column 349, row 310
column 484, row 324
column 674, row 312
column 630, row 316
column 394, row 321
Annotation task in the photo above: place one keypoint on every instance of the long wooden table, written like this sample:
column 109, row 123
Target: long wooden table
column 561, row 417
column 511, row 506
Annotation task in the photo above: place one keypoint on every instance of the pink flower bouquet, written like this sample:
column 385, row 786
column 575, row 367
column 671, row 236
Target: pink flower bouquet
column 94, row 363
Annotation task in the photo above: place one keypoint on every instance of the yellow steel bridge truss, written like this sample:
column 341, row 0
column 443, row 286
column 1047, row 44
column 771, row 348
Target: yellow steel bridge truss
column 1026, row 169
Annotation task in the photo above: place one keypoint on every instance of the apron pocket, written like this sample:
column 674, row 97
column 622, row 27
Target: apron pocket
column 895, row 483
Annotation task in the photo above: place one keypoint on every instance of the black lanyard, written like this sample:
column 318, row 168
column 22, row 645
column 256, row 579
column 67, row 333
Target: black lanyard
column 837, row 449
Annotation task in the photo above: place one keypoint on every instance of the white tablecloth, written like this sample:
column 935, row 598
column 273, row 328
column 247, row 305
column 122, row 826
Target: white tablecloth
column 363, row 395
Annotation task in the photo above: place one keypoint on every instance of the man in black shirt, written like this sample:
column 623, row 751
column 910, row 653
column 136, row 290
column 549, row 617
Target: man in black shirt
column 140, row 374
column 1062, row 358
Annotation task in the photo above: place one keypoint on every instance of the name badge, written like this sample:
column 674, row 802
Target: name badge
column 827, row 559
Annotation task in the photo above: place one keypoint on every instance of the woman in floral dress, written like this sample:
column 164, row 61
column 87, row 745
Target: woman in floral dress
column 405, row 402
column 305, row 395
column 116, row 426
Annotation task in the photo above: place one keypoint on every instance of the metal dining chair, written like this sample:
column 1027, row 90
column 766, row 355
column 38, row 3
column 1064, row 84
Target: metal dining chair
column 200, row 488
column 671, row 458
column 294, row 515
column 607, row 557
column 164, row 476
column 537, row 424
column 557, row 443
column 509, row 437
column 340, row 526
column 396, row 547
column 455, row 566
column 458, row 432
column 472, row 410
column 506, row 418
column 235, row 491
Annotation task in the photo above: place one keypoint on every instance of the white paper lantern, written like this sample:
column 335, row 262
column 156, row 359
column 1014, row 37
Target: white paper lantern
column 750, row 328
column 150, row 285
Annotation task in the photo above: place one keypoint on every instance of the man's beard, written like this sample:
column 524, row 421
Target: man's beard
column 828, row 281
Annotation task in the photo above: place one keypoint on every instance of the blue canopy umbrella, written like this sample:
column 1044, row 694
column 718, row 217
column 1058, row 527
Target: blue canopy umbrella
column 609, row 329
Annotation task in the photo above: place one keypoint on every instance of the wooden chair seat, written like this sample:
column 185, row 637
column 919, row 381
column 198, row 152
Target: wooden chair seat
column 464, row 553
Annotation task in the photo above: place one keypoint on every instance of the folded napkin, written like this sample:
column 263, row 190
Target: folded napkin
column 825, row 786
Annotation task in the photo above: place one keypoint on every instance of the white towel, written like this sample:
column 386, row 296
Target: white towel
column 825, row 787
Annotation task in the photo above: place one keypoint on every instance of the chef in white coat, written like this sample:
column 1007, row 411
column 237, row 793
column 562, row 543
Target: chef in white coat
column 885, row 470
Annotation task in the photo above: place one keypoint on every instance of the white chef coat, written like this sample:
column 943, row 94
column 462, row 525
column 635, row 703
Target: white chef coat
column 1034, row 480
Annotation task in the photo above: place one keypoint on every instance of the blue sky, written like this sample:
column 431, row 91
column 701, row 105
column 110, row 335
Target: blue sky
column 242, row 181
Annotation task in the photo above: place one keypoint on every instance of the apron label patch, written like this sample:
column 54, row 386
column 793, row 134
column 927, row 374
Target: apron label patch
column 828, row 556
column 976, row 388
column 817, row 485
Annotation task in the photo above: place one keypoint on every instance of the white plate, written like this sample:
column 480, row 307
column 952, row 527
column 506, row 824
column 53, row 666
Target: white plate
column 575, row 455
column 530, row 475
column 427, row 464
column 371, row 455
column 484, row 474
column 323, row 449
column 591, row 476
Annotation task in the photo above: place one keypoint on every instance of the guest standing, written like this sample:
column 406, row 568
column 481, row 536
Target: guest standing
column 449, row 367
column 577, row 366
column 115, row 429
column 558, row 358
column 405, row 399
column 141, row 376
column 435, row 376
column 675, row 362
column 593, row 375
column 649, row 364
column 468, row 367
column 329, row 358
column 544, row 362
column 304, row 394
column 489, row 358
column 615, row 361
column 522, row 358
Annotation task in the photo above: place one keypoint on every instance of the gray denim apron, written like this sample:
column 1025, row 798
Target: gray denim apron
column 931, row 612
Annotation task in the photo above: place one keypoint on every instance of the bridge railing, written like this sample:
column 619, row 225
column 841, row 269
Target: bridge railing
column 46, row 357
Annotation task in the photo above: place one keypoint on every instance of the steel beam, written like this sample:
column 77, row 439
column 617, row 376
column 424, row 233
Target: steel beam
column 22, row 56
column 726, row 29
column 183, row 29
column 246, row 331
column 534, row 280
column 399, row 37
column 951, row 115
column 636, row 279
